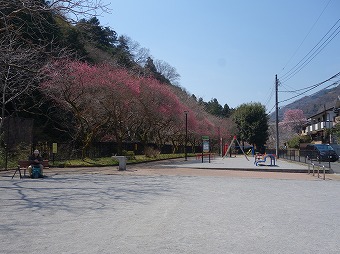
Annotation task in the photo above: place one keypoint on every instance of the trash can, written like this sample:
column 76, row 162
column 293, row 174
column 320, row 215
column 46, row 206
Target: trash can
column 122, row 162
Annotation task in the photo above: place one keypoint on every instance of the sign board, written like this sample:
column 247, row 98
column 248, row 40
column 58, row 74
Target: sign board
column 54, row 147
column 205, row 137
column 206, row 146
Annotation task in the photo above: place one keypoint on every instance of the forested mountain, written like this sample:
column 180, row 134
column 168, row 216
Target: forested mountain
column 312, row 104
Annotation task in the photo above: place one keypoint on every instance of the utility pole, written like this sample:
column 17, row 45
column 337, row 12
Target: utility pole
column 186, row 135
column 277, row 114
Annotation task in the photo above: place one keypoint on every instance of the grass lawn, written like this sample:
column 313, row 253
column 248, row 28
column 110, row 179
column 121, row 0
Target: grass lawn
column 108, row 161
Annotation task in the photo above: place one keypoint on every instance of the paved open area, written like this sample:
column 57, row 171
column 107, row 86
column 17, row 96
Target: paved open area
column 169, row 207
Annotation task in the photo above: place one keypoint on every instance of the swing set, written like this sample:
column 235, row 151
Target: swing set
column 234, row 140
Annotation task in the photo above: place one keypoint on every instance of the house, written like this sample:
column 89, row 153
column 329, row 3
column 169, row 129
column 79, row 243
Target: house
column 318, row 125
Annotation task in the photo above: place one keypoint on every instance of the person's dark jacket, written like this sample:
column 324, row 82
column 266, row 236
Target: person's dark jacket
column 32, row 159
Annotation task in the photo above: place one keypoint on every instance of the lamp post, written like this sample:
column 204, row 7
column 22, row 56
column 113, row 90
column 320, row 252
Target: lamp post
column 186, row 135
column 7, row 141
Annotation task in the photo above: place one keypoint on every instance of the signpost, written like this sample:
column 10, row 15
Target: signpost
column 205, row 146
column 54, row 150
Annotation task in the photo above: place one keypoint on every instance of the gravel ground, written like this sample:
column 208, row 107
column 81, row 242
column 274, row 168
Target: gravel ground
column 153, row 209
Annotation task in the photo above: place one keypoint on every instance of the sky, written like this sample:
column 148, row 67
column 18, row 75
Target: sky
column 232, row 50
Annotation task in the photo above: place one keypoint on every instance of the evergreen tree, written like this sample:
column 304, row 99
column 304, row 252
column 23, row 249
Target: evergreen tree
column 226, row 111
column 123, row 54
column 150, row 66
column 214, row 108
column 103, row 37
column 152, row 70
column 252, row 123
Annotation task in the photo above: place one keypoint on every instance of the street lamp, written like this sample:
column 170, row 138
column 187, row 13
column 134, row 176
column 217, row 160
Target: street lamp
column 186, row 135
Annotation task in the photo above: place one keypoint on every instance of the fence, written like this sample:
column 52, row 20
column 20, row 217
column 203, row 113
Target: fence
column 299, row 155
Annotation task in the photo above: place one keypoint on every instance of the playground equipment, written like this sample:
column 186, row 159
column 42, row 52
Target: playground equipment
column 260, row 158
column 229, row 147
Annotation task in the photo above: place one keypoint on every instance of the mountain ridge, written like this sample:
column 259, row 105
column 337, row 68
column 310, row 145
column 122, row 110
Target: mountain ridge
column 312, row 104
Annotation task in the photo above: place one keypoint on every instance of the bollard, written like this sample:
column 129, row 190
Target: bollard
column 122, row 162
column 308, row 168
column 324, row 172
column 319, row 166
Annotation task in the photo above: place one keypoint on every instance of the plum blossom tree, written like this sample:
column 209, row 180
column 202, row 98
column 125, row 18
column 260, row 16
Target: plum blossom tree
column 160, row 110
column 110, row 103
column 293, row 120
column 121, row 104
column 83, row 90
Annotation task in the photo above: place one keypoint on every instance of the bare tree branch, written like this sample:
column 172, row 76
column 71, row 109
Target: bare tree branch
column 27, row 42
column 167, row 71
column 76, row 9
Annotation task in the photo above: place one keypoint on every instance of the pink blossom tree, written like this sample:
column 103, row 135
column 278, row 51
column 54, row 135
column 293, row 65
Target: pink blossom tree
column 100, row 98
column 159, row 110
column 71, row 86
column 293, row 120
column 109, row 103
column 121, row 91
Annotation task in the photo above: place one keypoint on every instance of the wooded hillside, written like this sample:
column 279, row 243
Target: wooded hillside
column 82, row 82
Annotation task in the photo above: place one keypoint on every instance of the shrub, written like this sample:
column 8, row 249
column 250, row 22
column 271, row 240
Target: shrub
column 294, row 142
column 21, row 152
column 150, row 152
column 130, row 155
column 297, row 140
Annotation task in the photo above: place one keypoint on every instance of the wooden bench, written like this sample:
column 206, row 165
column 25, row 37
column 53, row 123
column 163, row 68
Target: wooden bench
column 24, row 165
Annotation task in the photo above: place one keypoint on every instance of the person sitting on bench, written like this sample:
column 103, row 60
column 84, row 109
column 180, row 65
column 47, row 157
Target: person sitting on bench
column 35, row 161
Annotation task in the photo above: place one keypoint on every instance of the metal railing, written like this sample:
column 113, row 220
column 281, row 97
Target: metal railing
column 298, row 156
column 318, row 166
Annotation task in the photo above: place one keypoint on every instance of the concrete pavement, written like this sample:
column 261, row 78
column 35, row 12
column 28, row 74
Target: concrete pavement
column 241, row 163
column 103, row 210
column 101, row 213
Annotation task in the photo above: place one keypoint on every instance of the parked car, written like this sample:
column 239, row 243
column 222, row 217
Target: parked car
column 321, row 152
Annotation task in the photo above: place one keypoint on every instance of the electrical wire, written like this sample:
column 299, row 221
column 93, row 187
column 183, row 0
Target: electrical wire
column 312, row 53
column 296, row 91
column 315, row 86
column 271, row 94
column 312, row 86
column 297, row 68
column 287, row 87
column 333, row 84
column 270, row 111
column 310, row 30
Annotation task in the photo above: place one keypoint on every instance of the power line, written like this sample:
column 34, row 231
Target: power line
column 270, row 111
column 298, row 90
column 286, row 87
column 310, row 58
column 269, row 97
column 312, row 53
column 333, row 84
column 315, row 86
column 306, row 35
